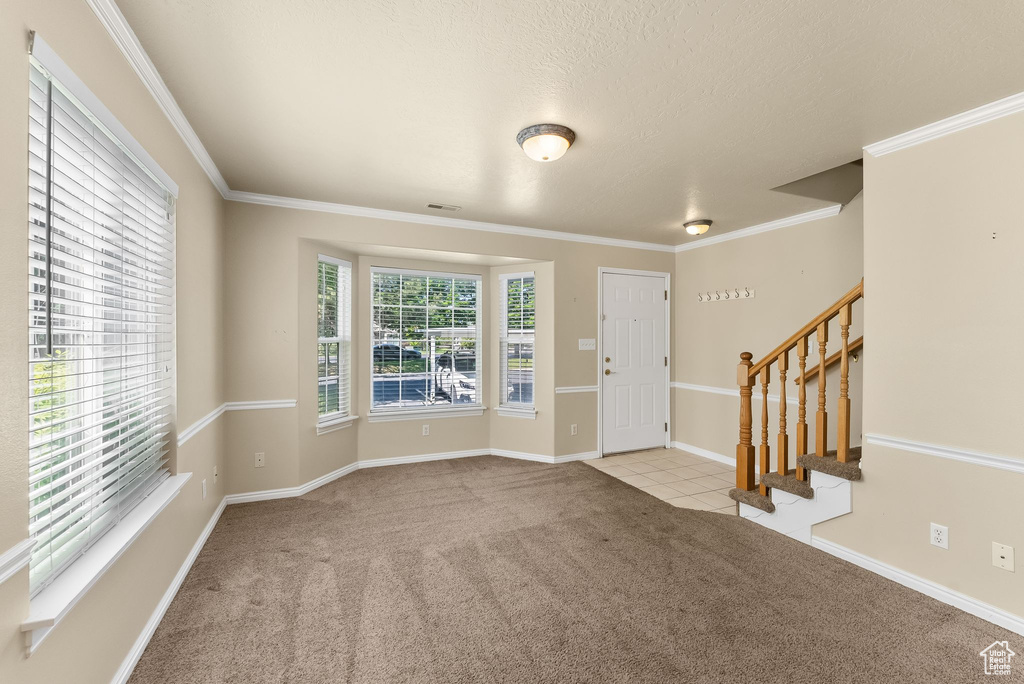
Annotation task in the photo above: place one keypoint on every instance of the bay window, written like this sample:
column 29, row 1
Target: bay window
column 425, row 341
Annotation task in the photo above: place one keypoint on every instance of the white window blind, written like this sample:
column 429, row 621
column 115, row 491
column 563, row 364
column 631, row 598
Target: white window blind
column 334, row 332
column 101, row 335
column 425, row 340
column 518, row 318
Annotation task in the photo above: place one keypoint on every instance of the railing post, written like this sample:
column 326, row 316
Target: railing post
column 782, row 455
column 745, row 448
column 843, row 438
column 801, row 425
column 821, row 422
column 766, row 455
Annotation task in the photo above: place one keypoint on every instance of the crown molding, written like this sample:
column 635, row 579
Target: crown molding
column 762, row 228
column 125, row 39
column 979, row 115
column 443, row 221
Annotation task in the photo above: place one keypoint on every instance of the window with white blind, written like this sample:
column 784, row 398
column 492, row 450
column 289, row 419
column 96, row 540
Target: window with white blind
column 425, row 340
column 334, row 339
column 518, row 318
column 101, row 321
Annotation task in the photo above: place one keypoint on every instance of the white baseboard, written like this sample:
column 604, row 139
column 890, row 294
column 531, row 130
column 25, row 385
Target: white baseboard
column 128, row 665
column 980, row 609
column 287, row 492
column 713, row 455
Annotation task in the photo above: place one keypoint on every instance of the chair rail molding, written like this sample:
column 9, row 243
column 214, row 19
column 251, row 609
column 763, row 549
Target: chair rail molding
column 15, row 558
column 194, row 429
column 1014, row 465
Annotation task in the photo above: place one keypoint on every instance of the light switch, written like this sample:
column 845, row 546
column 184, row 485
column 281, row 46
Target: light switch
column 588, row 344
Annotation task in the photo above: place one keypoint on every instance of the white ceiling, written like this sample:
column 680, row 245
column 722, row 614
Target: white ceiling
column 682, row 110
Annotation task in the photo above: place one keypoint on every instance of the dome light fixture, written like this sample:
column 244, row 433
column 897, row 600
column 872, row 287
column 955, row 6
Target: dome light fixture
column 545, row 142
column 697, row 227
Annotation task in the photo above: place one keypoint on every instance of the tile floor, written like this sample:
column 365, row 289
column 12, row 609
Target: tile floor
column 680, row 478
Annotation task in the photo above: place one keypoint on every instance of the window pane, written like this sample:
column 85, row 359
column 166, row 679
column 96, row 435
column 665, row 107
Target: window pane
column 517, row 343
column 334, row 329
column 425, row 351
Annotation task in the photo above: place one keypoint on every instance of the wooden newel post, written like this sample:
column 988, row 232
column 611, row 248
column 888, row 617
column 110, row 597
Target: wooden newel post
column 745, row 448
column 843, row 438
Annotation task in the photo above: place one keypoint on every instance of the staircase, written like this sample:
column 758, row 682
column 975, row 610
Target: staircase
column 791, row 500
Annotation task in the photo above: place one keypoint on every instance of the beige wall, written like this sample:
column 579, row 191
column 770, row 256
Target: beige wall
column 90, row 643
column 267, row 270
column 943, row 250
column 796, row 273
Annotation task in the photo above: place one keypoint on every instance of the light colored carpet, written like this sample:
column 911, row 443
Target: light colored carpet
column 491, row 569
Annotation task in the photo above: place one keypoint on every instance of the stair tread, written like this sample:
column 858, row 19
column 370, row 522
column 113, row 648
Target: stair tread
column 830, row 465
column 788, row 483
column 752, row 498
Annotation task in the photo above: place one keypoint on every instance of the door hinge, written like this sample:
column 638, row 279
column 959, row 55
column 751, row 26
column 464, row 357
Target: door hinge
column 666, row 295
column 666, row 427
column 666, row 361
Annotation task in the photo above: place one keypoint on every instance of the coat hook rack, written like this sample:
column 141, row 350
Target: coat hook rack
column 728, row 294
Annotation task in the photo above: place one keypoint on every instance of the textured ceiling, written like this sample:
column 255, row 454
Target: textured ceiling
column 683, row 109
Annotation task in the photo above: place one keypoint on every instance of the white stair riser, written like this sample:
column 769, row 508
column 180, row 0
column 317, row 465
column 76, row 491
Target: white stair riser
column 794, row 515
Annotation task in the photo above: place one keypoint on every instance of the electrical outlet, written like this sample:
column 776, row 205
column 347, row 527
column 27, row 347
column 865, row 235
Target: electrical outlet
column 260, row 459
column 1002, row 556
column 574, row 429
column 426, row 430
column 204, row 489
column 939, row 536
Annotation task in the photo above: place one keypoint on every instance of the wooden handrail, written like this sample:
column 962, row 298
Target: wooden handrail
column 747, row 374
column 832, row 360
column 827, row 315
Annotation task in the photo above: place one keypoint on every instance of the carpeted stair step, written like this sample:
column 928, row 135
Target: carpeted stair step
column 752, row 498
column 829, row 465
column 788, row 483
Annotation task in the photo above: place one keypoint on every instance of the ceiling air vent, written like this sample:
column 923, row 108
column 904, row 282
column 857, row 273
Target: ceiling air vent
column 443, row 207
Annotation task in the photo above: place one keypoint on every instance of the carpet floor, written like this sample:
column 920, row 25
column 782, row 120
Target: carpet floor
column 493, row 569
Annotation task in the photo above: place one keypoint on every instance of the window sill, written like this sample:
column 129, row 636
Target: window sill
column 53, row 603
column 419, row 414
column 528, row 412
column 331, row 424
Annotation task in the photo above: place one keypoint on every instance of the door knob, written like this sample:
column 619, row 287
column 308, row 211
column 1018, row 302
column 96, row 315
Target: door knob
column 607, row 359
column 607, row 371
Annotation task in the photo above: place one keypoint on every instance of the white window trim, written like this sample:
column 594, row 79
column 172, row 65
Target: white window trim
column 333, row 422
column 418, row 413
column 380, row 415
column 55, row 601
column 339, row 419
column 517, row 411
column 513, row 410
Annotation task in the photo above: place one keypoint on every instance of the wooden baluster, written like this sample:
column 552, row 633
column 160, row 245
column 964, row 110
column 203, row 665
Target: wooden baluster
column 821, row 424
column 745, row 448
column 843, row 438
column 801, row 425
column 782, row 455
column 766, row 456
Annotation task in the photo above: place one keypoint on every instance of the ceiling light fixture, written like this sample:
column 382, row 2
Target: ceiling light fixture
column 545, row 142
column 697, row 227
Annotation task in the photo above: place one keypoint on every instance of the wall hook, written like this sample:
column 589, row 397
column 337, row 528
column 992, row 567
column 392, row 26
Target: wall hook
column 747, row 290
column 700, row 297
column 718, row 295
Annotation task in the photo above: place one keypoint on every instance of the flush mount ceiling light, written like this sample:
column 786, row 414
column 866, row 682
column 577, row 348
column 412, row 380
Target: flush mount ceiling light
column 545, row 142
column 697, row 227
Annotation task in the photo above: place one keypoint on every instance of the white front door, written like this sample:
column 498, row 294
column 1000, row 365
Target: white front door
column 634, row 365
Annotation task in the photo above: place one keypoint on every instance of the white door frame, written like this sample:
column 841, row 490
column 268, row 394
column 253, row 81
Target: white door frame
column 601, row 270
